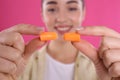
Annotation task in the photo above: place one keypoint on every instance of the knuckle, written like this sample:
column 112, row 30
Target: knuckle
column 12, row 68
column 19, row 25
column 107, row 54
column 21, row 62
column 105, row 41
column 16, row 36
column 11, row 34
column 16, row 56
column 7, row 66
column 7, row 51
column 99, row 29
column 116, row 69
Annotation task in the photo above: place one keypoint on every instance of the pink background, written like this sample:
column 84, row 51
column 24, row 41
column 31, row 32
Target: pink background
column 99, row 12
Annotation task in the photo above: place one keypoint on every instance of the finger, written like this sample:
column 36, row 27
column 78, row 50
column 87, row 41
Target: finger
column 10, row 77
column 10, row 53
column 25, row 29
column 111, row 56
column 12, row 36
column 111, row 42
column 21, row 64
column 12, row 39
column 99, row 31
column 114, row 70
column 108, row 43
column 7, row 66
column 118, row 78
column 4, row 77
column 32, row 46
column 86, row 48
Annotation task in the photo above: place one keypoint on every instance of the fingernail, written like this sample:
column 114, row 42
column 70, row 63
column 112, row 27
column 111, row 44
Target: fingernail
column 80, row 28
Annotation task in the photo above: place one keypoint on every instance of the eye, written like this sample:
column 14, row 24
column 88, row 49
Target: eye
column 52, row 10
column 73, row 9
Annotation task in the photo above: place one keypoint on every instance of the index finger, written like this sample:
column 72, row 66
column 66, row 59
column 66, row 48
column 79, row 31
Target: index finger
column 25, row 29
column 99, row 31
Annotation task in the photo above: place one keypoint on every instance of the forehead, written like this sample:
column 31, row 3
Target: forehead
column 61, row 1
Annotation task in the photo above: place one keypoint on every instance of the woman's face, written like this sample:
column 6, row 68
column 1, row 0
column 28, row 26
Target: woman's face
column 62, row 16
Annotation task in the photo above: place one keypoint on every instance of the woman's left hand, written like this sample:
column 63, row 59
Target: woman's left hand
column 107, row 57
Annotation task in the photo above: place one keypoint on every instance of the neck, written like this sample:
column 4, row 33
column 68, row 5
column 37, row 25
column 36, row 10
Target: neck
column 64, row 52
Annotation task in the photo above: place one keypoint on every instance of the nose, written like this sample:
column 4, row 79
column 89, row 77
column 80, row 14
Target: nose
column 61, row 17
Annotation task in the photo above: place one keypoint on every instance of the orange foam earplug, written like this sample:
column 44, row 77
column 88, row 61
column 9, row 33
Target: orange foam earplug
column 45, row 36
column 72, row 36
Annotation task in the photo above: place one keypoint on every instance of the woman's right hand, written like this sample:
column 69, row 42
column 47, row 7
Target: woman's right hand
column 13, row 51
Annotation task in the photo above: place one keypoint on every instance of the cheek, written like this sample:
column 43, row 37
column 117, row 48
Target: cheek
column 48, row 19
column 77, row 19
column 49, row 22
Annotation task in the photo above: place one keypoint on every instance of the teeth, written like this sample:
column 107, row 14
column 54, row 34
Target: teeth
column 63, row 29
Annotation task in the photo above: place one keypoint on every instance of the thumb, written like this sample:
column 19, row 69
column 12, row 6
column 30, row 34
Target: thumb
column 87, row 49
column 32, row 46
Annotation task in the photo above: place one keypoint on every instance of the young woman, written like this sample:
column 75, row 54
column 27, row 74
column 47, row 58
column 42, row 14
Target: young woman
column 59, row 59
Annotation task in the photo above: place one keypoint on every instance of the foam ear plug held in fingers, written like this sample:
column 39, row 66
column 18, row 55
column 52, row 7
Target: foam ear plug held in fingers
column 72, row 36
column 46, row 36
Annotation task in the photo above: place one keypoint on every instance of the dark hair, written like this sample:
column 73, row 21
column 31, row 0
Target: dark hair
column 81, row 0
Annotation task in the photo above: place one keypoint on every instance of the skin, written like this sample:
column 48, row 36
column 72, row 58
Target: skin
column 59, row 13
column 106, row 59
column 11, row 42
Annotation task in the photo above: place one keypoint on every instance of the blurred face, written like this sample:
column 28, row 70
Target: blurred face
column 62, row 16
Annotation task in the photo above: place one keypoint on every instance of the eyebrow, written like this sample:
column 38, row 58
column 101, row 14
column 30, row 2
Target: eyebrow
column 69, row 2
column 51, row 2
column 54, row 2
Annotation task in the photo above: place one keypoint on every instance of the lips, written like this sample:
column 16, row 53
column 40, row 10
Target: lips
column 63, row 29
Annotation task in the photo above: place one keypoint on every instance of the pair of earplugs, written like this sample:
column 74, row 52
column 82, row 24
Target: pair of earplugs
column 71, row 36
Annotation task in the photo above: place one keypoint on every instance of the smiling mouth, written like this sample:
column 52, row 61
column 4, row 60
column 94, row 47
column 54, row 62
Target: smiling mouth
column 63, row 29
